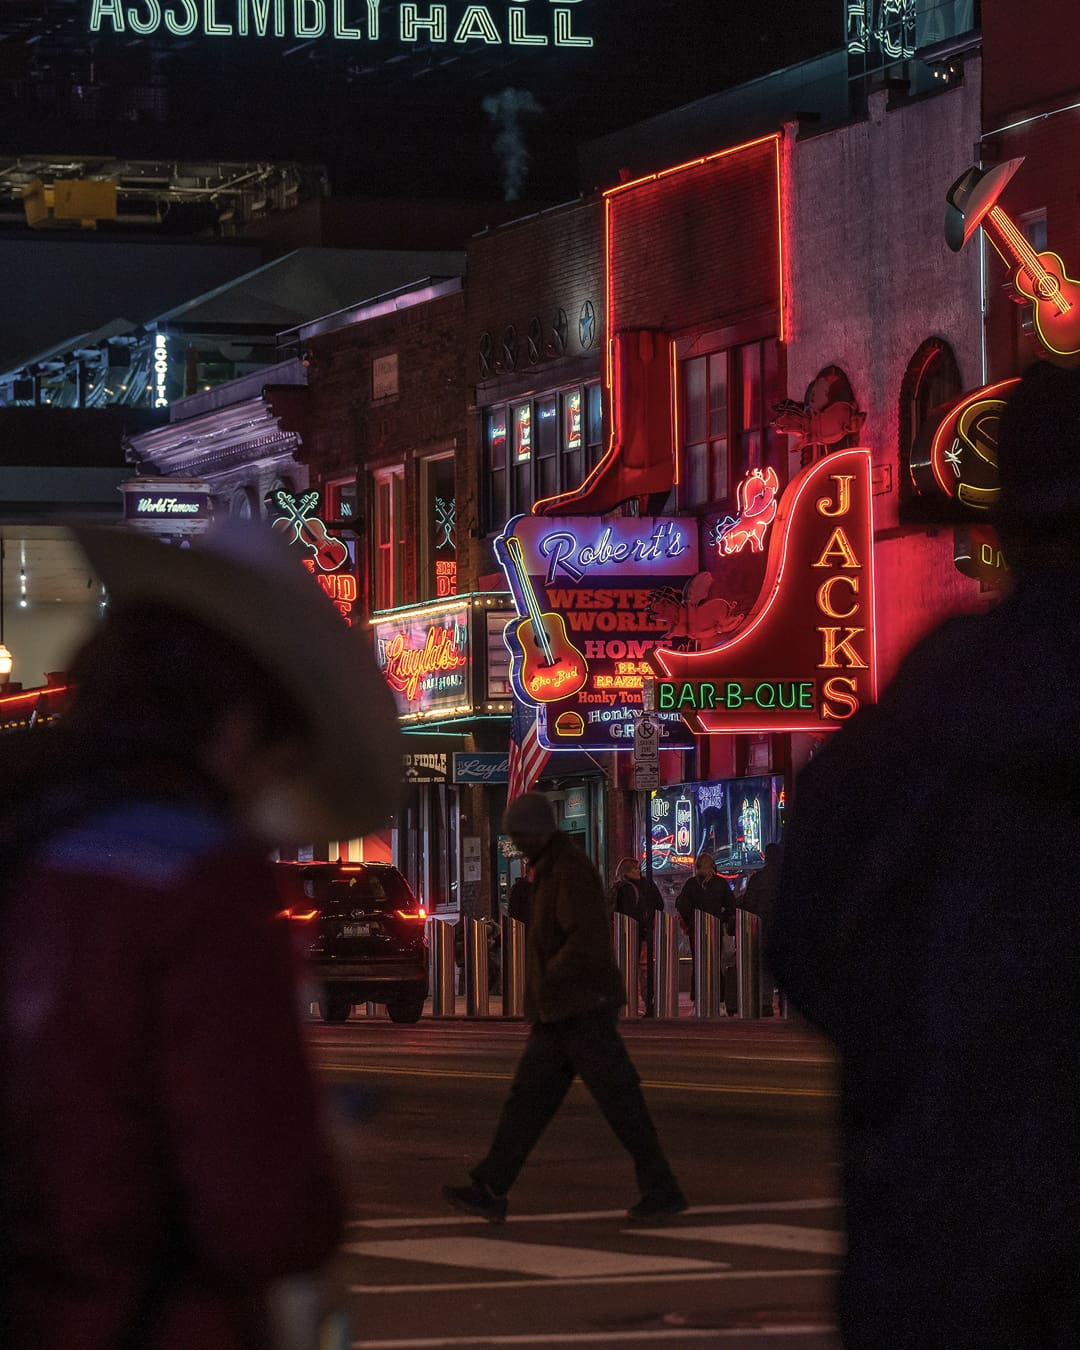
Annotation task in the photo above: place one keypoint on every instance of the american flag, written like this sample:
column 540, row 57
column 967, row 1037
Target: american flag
column 527, row 755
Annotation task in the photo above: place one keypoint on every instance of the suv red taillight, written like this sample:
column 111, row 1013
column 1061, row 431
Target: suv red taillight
column 298, row 915
column 420, row 913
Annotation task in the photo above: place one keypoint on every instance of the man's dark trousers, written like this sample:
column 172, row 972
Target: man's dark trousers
column 591, row 1047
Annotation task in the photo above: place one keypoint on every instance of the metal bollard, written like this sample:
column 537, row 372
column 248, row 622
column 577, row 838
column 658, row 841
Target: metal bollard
column 708, row 981
column 627, row 957
column 513, row 967
column 476, row 968
column 747, row 964
column 441, row 949
column 666, row 946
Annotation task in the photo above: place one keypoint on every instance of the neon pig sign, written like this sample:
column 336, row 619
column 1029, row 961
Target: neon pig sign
column 581, row 644
column 804, row 660
column 517, row 23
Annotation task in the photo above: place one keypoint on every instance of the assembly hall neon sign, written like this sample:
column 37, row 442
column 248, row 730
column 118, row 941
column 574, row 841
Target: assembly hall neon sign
column 517, row 23
column 805, row 658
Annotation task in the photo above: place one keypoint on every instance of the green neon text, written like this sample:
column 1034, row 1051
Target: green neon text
column 732, row 695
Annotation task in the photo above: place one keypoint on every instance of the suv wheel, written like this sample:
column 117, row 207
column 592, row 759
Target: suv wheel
column 335, row 1007
column 409, row 1011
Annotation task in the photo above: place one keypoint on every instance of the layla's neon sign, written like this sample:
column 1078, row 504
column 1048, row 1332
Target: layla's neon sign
column 407, row 666
column 345, row 21
column 804, row 659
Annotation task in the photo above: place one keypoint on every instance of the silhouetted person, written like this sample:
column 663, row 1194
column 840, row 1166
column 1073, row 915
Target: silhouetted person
column 708, row 891
column 165, row 1179
column 573, row 992
column 927, row 921
column 520, row 898
column 639, row 897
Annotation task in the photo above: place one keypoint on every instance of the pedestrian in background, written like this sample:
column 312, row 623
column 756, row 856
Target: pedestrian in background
column 759, row 898
column 927, row 921
column 520, row 898
column 640, row 898
column 708, row 891
column 165, row 1178
column 573, row 992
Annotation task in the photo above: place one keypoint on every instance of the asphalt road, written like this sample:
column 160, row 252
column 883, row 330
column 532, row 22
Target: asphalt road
column 745, row 1111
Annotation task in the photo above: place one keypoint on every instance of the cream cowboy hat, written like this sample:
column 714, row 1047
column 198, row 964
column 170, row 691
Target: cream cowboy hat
column 244, row 581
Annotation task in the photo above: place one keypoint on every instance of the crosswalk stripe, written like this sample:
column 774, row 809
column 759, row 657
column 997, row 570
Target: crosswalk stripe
column 781, row 1236
column 616, row 1339
column 524, row 1258
column 569, row 1216
column 720, row 1272
column 652, row 1085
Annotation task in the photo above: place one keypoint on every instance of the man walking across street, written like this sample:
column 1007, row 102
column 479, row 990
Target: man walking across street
column 573, row 992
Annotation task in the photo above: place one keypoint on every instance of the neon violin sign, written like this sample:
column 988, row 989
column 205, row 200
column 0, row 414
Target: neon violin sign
column 348, row 21
column 299, row 523
column 804, row 659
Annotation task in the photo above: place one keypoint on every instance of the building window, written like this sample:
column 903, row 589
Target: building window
column 725, row 401
column 1033, row 224
column 932, row 379
column 384, row 377
column 243, row 504
column 388, row 539
column 438, row 527
column 340, row 502
column 538, row 447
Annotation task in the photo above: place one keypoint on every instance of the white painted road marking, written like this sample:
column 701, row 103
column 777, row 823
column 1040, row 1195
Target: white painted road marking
column 782, row 1236
column 616, row 1339
column 451, row 1220
column 719, row 1272
column 525, row 1258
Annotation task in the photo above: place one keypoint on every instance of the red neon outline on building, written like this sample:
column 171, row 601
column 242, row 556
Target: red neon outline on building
column 670, row 660
column 777, row 140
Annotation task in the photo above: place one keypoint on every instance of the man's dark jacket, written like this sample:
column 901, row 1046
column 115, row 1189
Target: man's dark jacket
column 569, row 960
column 713, row 897
column 928, row 920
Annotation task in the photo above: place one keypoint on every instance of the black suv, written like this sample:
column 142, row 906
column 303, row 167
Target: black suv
column 363, row 932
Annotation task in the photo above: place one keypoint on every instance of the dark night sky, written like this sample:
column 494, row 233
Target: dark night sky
column 412, row 121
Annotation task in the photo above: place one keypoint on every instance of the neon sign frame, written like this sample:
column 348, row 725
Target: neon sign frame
column 789, row 668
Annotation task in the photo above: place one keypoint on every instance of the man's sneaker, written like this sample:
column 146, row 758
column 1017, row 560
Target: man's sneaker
column 476, row 1198
column 657, row 1206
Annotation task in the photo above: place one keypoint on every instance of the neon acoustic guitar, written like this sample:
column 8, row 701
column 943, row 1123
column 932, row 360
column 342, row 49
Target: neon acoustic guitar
column 548, row 665
column 1038, row 277
column 298, row 526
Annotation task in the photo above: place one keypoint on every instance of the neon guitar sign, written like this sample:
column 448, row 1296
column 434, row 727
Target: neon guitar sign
column 1038, row 278
column 544, row 664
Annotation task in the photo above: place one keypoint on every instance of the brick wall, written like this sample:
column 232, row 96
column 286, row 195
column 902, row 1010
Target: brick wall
column 349, row 432
column 696, row 247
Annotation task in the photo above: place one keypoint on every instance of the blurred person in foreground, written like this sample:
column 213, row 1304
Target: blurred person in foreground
column 927, row 922
column 573, row 992
column 165, row 1178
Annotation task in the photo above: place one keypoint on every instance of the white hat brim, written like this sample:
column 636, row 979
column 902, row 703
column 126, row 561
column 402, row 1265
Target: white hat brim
column 243, row 581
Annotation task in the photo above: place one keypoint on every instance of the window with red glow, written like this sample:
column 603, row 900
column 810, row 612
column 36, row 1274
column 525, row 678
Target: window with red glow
column 388, row 540
column 725, row 400
column 931, row 379
column 438, row 526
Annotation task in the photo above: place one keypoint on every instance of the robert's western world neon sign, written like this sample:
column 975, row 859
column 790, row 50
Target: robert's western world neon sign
column 588, row 620
column 516, row 23
column 804, row 659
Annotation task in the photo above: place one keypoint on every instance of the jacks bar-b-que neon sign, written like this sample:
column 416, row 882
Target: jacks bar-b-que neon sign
column 589, row 615
column 804, row 657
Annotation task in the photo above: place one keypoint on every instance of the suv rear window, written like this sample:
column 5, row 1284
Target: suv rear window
column 384, row 888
